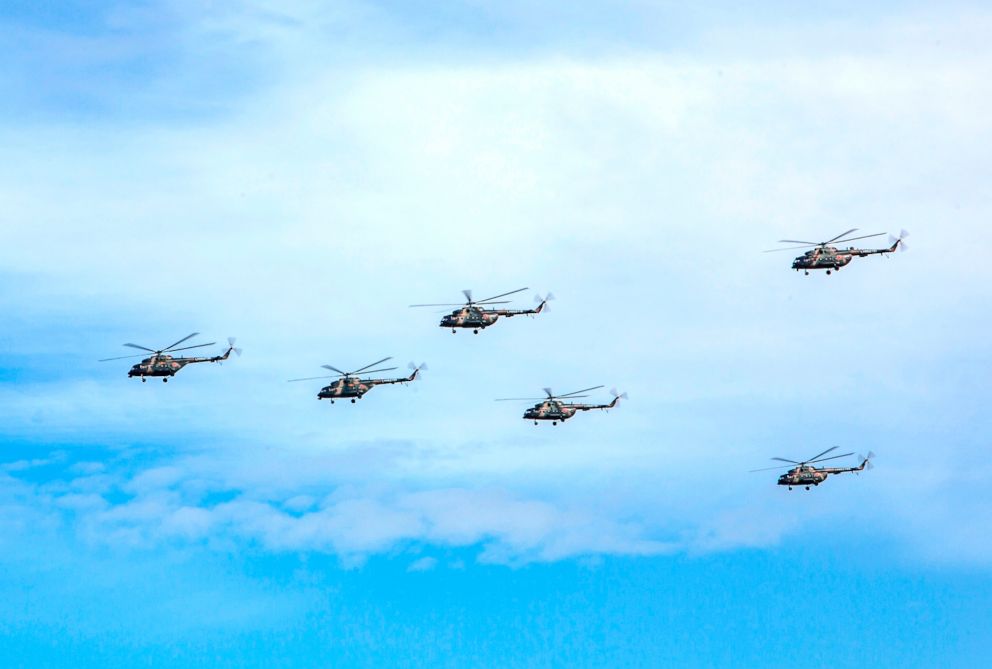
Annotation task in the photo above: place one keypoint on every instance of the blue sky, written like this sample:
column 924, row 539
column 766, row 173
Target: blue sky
column 296, row 173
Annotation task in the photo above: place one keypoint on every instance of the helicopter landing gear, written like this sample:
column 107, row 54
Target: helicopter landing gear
column 806, row 272
column 790, row 487
column 352, row 401
column 554, row 422
column 454, row 331
column 535, row 422
column 143, row 379
column 828, row 272
column 475, row 332
column 332, row 401
column 165, row 380
column 807, row 487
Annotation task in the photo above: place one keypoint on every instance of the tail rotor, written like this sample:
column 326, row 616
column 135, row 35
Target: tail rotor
column 867, row 460
column 230, row 346
column 542, row 302
column 900, row 240
column 416, row 369
column 617, row 396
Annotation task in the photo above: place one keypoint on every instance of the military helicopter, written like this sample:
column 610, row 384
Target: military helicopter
column 802, row 473
column 161, row 363
column 556, row 407
column 831, row 258
column 475, row 315
column 350, row 386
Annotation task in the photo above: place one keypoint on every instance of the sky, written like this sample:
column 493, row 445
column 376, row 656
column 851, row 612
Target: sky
column 296, row 173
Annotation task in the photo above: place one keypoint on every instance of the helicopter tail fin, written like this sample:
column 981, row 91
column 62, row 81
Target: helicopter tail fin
column 898, row 242
column 415, row 370
column 866, row 461
column 230, row 348
column 542, row 302
column 616, row 398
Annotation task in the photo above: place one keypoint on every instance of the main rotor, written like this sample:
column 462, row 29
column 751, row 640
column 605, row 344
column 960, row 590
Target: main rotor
column 469, row 302
column 157, row 353
column 839, row 239
column 798, row 465
column 349, row 375
column 550, row 396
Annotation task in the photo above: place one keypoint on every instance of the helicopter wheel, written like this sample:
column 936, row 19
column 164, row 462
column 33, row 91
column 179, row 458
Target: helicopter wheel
column 807, row 272
column 828, row 272
column 535, row 422
column 165, row 380
column 352, row 401
column 332, row 401
column 475, row 332
column 790, row 487
column 454, row 331
column 807, row 487
column 142, row 379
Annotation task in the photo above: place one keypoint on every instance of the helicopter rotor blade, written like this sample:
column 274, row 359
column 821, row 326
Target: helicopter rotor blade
column 520, row 399
column 467, row 292
column 374, row 371
column 820, row 455
column 576, row 392
column 512, row 292
column 789, row 248
column 768, row 469
column 436, row 305
column 190, row 336
column 548, row 392
column 311, row 378
column 186, row 348
column 798, row 241
column 784, row 460
column 832, row 457
column 143, row 348
column 852, row 239
column 123, row 357
column 334, row 369
column 362, row 369
column 843, row 234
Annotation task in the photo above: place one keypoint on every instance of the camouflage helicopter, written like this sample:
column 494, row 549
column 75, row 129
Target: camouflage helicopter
column 162, row 363
column 350, row 386
column 831, row 258
column 475, row 315
column 804, row 474
column 556, row 407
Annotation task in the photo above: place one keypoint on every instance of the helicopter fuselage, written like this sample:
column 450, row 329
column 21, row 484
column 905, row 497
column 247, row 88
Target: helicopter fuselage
column 345, row 388
column 478, row 318
column 470, row 317
column 353, row 388
column 807, row 476
column 168, row 366
column 831, row 258
column 555, row 410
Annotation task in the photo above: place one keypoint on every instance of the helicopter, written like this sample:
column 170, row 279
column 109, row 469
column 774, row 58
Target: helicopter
column 474, row 314
column 162, row 363
column 556, row 407
column 350, row 386
column 802, row 473
column 831, row 258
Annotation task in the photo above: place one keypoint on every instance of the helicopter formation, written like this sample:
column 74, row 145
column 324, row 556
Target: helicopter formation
column 355, row 384
column 478, row 315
